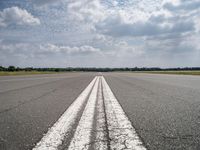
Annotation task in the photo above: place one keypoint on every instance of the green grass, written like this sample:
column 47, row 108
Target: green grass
column 6, row 73
column 193, row 72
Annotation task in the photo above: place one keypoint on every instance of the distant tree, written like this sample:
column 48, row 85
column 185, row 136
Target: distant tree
column 68, row 69
column 2, row 68
column 57, row 70
column 28, row 69
column 11, row 68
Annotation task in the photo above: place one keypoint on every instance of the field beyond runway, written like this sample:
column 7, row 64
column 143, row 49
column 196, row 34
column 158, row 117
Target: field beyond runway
column 151, row 110
column 17, row 73
column 178, row 72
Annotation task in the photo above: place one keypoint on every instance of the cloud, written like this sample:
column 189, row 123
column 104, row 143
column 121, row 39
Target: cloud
column 43, row 2
column 51, row 48
column 103, row 33
column 182, row 5
column 45, row 49
column 126, row 22
column 47, row 55
column 17, row 16
column 116, row 26
column 90, row 11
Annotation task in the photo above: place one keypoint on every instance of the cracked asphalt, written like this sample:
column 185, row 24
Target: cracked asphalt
column 164, row 109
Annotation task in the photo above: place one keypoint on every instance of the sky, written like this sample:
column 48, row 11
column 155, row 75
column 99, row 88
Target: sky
column 100, row 33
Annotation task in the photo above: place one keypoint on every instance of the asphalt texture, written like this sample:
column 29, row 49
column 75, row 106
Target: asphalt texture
column 164, row 109
column 29, row 105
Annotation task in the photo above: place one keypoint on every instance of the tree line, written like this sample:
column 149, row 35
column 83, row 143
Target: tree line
column 93, row 69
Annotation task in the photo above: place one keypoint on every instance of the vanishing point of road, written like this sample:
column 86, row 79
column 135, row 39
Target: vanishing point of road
column 100, row 111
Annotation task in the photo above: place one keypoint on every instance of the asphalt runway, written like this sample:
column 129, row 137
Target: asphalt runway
column 163, row 109
column 30, row 105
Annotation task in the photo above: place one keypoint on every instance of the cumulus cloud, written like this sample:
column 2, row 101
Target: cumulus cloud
column 86, row 10
column 51, row 48
column 115, row 26
column 182, row 5
column 114, row 33
column 45, row 49
column 130, row 20
column 28, row 54
column 17, row 16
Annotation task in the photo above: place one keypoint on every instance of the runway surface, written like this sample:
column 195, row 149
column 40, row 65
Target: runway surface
column 164, row 109
column 100, row 111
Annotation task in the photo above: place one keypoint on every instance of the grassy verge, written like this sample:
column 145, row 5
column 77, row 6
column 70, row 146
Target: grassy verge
column 174, row 72
column 6, row 73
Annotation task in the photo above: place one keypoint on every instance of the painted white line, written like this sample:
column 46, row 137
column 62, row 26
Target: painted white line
column 101, row 137
column 81, row 139
column 121, row 132
column 62, row 127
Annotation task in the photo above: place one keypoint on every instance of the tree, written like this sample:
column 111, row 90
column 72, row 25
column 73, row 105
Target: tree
column 2, row 68
column 11, row 68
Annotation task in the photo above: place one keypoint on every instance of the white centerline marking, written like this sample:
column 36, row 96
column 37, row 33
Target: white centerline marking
column 101, row 138
column 81, row 139
column 60, row 129
column 111, row 128
column 121, row 132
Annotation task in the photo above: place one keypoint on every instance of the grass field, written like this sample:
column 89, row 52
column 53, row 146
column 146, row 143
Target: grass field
column 193, row 72
column 6, row 73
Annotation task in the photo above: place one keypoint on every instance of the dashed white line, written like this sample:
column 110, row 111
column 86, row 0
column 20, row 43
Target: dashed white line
column 60, row 129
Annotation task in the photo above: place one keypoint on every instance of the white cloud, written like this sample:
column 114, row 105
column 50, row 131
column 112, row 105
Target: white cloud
column 46, row 55
column 90, row 11
column 113, row 32
column 17, row 16
column 116, row 26
column 51, row 48
column 180, row 5
column 129, row 20
column 45, row 49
